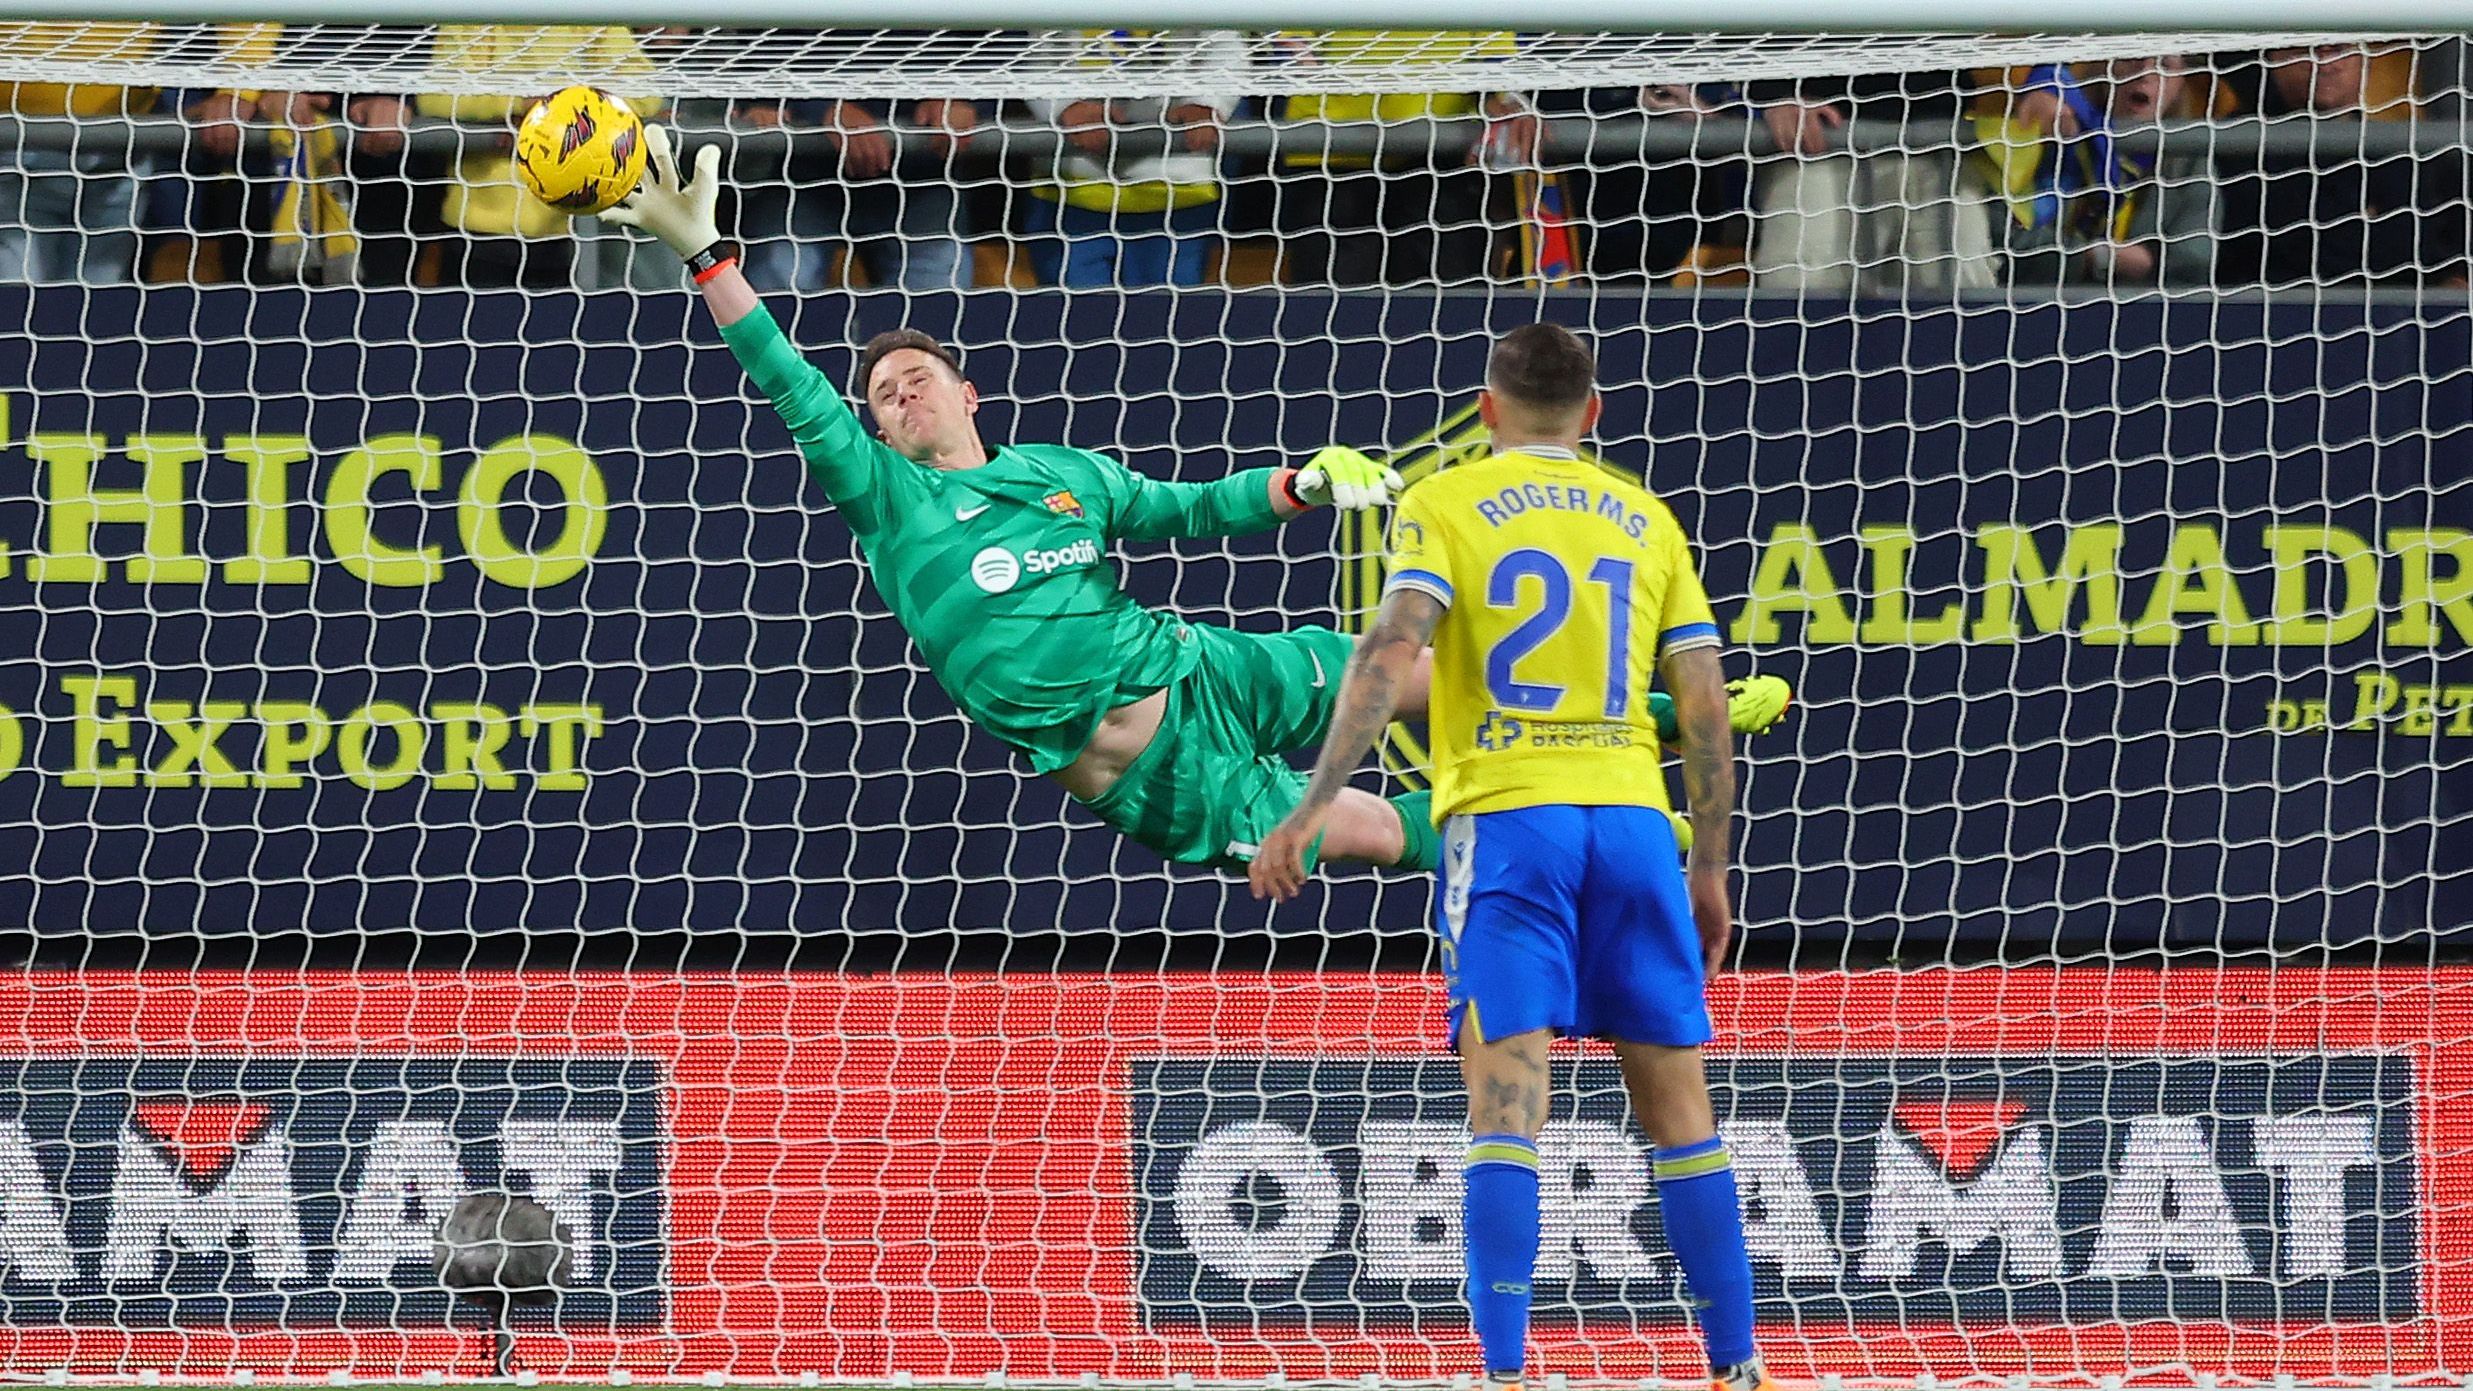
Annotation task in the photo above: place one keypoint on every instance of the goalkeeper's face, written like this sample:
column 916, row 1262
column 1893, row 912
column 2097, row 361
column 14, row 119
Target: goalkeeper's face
column 923, row 408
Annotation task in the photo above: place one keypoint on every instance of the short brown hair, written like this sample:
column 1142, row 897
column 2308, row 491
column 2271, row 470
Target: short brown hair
column 1544, row 367
column 894, row 340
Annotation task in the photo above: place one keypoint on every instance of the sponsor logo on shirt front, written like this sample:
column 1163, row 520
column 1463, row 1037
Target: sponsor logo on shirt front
column 1082, row 552
column 997, row 569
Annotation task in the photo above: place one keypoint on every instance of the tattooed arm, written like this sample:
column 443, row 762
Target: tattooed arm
column 1369, row 695
column 1699, row 688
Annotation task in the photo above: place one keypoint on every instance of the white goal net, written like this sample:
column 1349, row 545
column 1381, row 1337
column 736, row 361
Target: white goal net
column 450, row 745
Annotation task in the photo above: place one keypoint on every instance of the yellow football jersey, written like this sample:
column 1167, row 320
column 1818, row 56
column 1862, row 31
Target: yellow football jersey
column 1563, row 584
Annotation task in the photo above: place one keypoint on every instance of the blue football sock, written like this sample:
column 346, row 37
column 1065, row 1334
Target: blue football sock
column 1499, row 1226
column 1704, row 1225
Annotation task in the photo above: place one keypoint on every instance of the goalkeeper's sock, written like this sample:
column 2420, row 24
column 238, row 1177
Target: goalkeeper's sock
column 1704, row 1228
column 1420, row 847
column 1499, row 1224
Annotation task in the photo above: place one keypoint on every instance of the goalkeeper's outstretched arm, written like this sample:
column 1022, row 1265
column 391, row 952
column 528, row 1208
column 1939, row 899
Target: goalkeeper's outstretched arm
column 848, row 461
column 838, row 449
column 1337, row 477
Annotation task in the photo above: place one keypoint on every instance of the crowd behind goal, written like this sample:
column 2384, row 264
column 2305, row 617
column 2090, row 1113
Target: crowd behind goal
column 1937, row 182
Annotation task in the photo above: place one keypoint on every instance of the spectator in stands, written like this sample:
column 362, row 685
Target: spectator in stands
column 222, row 221
column 236, row 215
column 1403, row 218
column 1895, row 212
column 1134, row 191
column 2082, row 210
column 904, row 229
column 1658, row 216
column 508, row 237
column 68, row 210
column 2372, row 217
column 394, row 194
column 2447, row 65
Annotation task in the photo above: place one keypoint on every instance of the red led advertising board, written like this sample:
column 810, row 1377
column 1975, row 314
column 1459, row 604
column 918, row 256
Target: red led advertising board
column 2060, row 1173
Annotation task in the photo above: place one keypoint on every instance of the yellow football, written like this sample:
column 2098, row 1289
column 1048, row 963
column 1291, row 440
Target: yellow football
column 580, row 151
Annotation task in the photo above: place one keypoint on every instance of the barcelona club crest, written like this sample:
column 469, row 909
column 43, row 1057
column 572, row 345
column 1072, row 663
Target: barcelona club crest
column 1064, row 504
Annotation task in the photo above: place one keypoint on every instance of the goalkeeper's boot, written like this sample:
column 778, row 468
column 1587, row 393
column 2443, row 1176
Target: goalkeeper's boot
column 1743, row 1376
column 1755, row 704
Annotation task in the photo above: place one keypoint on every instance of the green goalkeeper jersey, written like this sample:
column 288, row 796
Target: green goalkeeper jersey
column 1000, row 573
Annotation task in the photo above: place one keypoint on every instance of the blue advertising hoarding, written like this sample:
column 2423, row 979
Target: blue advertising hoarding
column 214, row 1191
column 2141, row 624
column 1976, row 1192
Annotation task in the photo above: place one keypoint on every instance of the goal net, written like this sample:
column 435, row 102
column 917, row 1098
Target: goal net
column 442, row 705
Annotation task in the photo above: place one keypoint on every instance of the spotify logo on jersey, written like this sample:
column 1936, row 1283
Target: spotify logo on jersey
column 995, row 569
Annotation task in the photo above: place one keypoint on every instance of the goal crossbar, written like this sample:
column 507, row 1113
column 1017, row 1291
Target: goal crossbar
column 192, row 52
column 1561, row 138
column 1613, row 16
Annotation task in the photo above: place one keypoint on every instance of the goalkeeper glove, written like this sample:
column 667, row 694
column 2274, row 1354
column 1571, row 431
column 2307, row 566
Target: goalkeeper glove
column 679, row 213
column 1345, row 478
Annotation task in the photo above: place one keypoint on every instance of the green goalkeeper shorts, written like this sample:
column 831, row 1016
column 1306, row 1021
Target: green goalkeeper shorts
column 1212, row 783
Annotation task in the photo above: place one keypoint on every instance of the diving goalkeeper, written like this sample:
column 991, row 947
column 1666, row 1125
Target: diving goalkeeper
column 993, row 562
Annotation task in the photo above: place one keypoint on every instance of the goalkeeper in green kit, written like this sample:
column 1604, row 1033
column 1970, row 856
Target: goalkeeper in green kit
column 995, row 563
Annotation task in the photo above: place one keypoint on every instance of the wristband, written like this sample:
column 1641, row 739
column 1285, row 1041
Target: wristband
column 1288, row 490
column 709, row 262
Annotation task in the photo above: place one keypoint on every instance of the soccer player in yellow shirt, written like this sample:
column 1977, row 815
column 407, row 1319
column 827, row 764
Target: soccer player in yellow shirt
column 1552, row 592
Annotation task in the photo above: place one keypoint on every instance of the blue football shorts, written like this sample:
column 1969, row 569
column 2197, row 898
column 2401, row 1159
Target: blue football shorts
column 1573, row 919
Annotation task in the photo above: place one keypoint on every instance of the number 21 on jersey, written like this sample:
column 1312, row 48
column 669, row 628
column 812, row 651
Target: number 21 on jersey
column 1563, row 628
